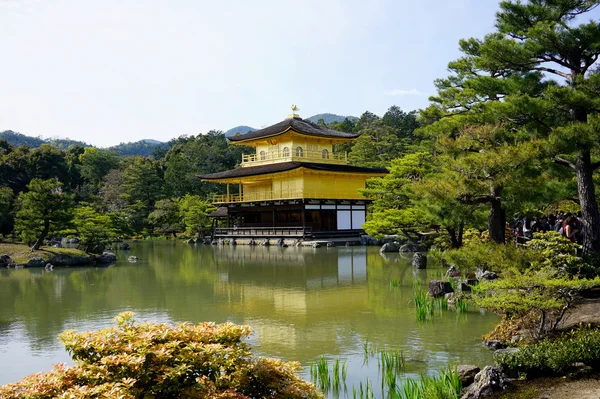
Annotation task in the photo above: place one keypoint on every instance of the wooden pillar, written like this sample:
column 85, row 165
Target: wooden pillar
column 228, row 192
column 240, row 192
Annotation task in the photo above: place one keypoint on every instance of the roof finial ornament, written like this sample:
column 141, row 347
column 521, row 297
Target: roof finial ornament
column 294, row 114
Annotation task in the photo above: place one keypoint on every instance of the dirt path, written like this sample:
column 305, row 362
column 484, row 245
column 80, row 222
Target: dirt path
column 581, row 389
column 554, row 388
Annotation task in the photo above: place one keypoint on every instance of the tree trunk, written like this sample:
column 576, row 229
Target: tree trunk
column 497, row 217
column 590, row 217
column 455, row 236
column 42, row 235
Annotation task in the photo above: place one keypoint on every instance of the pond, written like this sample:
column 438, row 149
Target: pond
column 302, row 304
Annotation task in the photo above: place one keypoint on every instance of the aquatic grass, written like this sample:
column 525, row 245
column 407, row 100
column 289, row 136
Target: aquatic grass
column 319, row 374
column 447, row 385
column 390, row 365
column 326, row 379
column 395, row 283
column 462, row 304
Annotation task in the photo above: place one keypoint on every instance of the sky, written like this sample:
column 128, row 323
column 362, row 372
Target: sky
column 112, row 71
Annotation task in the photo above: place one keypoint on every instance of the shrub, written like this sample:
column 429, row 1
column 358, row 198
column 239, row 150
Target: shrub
column 157, row 360
column 556, row 355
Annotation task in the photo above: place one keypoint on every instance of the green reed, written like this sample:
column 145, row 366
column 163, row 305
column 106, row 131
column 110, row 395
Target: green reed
column 445, row 386
column 462, row 304
column 325, row 378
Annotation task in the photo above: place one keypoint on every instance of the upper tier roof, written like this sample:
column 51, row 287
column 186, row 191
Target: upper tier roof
column 299, row 125
column 287, row 166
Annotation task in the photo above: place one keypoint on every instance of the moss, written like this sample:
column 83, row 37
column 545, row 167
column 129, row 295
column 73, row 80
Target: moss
column 21, row 253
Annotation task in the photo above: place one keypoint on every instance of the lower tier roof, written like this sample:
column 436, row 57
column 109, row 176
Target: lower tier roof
column 287, row 166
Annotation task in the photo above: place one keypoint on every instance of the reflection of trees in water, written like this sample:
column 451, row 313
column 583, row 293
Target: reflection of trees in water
column 303, row 302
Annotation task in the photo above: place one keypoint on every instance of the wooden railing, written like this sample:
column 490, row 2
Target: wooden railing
column 287, row 194
column 291, row 156
column 292, row 231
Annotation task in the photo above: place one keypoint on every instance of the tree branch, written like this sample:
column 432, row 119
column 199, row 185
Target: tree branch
column 554, row 71
column 562, row 161
column 473, row 200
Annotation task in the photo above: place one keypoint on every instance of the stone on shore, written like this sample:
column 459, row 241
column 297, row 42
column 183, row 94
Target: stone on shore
column 467, row 373
column 36, row 262
column 439, row 288
column 487, row 382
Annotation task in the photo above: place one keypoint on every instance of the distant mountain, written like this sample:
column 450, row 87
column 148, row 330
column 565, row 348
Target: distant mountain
column 330, row 118
column 144, row 148
column 17, row 139
column 239, row 129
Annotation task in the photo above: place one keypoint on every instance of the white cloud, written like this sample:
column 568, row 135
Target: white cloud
column 403, row 92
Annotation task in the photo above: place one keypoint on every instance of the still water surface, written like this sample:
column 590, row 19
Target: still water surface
column 301, row 303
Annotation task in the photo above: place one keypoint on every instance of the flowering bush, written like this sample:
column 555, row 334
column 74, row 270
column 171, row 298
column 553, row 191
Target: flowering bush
column 161, row 361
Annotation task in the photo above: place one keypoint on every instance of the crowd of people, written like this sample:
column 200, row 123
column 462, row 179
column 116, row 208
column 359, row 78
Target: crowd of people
column 567, row 224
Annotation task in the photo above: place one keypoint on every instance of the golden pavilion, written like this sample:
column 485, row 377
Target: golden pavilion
column 294, row 185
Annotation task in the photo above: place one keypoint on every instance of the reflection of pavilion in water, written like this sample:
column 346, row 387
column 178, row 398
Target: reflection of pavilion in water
column 287, row 294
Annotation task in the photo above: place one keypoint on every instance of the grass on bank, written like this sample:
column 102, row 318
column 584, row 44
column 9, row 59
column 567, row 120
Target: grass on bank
column 21, row 253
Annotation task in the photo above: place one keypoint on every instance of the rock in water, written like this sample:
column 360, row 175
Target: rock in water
column 419, row 261
column 411, row 248
column 133, row 259
column 467, row 373
column 125, row 246
column 439, row 288
column 107, row 257
column 488, row 381
column 36, row 262
column 390, row 247
column 5, row 260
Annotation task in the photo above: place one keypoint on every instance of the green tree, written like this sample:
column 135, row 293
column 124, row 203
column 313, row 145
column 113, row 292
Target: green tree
column 94, row 230
column 194, row 211
column 45, row 208
column 142, row 182
column 507, row 78
column 404, row 124
column 96, row 163
column 190, row 156
column 6, row 210
column 376, row 146
column 166, row 217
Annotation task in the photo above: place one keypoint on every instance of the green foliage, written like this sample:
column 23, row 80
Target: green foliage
column 191, row 156
column 94, row 229
column 445, row 386
column 6, row 209
column 166, row 217
column 194, row 211
column 506, row 79
column 43, row 210
column 96, row 163
column 554, row 250
column 157, row 360
column 557, row 354
column 518, row 293
column 142, row 182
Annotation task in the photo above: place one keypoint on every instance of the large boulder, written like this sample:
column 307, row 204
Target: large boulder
column 69, row 260
column 5, row 260
column 467, row 373
column 390, row 247
column 488, row 381
column 419, row 261
column 411, row 248
column 107, row 257
column 439, row 288
column 36, row 262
